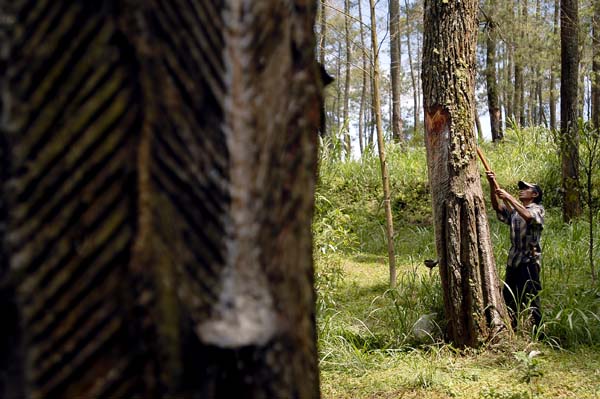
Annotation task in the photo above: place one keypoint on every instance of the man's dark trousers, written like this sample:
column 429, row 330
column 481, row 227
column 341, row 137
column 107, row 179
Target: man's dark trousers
column 521, row 289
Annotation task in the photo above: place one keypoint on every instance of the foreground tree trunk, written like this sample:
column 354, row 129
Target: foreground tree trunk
column 473, row 304
column 158, row 210
column 569, row 83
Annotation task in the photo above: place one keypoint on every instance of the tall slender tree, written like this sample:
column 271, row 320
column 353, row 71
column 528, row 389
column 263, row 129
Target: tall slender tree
column 553, row 69
column 345, row 125
column 518, row 44
column 322, row 45
column 413, row 75
column 494, row 110
column 471, row 288
column 363, row 89
column 395, row 68
column 569, row 83
column 595, row 117
column 381, row 146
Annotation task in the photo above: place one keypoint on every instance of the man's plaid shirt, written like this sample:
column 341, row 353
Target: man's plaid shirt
column 524, row 237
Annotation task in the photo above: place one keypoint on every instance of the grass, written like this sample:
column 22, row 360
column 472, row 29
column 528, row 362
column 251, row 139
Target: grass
column 357, row 360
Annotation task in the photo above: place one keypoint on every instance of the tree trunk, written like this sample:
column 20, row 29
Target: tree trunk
column 472, row 300
column 372, row 107
column 338, row 97
column 552, row 101
column 323, row 32
column 569, row 82
column 395, row 68
column 595, row 117
column 478, row 127
column 381, row 145
column 509, row 87
column 490, row 77
column 11, row 333
column 363, row 89
column 345, row 121
column 518, row 106
column 323, row 131
column 413, row 77
column 520, row 64
column 158, row 222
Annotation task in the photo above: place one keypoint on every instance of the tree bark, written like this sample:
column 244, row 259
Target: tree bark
column 395, row 68
column 381, row 146
column 569, row 82
column 158, row 218
column 473, row 304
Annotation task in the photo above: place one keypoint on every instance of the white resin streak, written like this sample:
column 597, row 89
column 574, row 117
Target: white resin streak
column 244, row 314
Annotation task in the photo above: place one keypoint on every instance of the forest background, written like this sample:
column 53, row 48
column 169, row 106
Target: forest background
column 377, row 341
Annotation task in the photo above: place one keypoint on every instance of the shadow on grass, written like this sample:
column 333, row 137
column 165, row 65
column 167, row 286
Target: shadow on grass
column 363, row 293
column 369, row 258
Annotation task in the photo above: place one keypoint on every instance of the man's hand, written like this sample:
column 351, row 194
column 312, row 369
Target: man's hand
column 503, row 194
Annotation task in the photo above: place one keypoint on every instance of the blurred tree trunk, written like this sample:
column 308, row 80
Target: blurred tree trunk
column 395, row 68
column 490, row 76
column 478, row 127
column 517, row 101
column 473, row 303
column 553, row 72
column 537, row 101
column 363, row 89
column 156, row 231
column 338, row 97
column 595, row 117
column 11, row 333
column 381, row 145
column 322, row 44
column 323, row 32
column 509, row 87
column 413, row 78
column 569, row 82
column 346, row 121
column 372, row 107
column 539, row 95
column 518, row 106
column 520, row 62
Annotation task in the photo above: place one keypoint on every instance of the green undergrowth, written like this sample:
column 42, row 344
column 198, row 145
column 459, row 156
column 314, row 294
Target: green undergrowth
column 371, row 343
column 367, row 349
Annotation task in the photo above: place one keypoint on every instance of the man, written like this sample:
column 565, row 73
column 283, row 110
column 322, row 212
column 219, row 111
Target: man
column 526, row 220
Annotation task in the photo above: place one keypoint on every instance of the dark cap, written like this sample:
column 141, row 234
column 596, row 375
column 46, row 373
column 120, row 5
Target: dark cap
column 523, row 185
